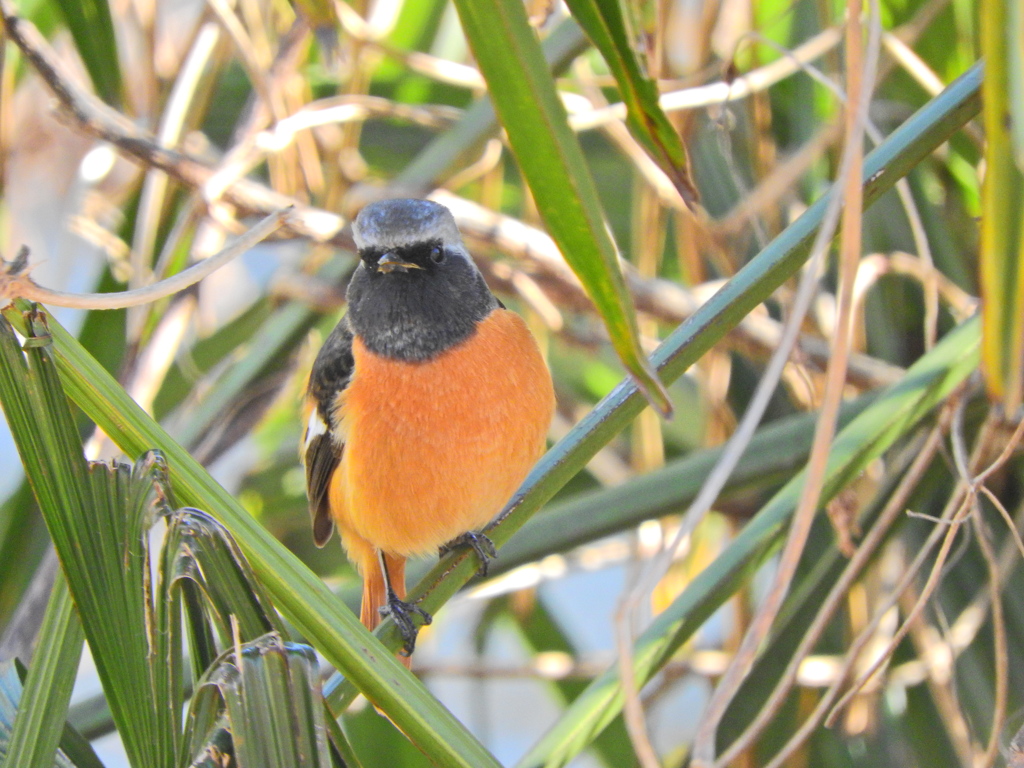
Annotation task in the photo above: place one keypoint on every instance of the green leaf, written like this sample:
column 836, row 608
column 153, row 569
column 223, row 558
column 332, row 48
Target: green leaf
column 10, row 699
column 203, row 567
column 43, row 704
column 605, row 24
column 1014, row 31
column 204, row 571
column 806, row 596
column 92, row 28
column 98, row 517
column 553, row 164
column 926, row 384
column 1002, row 226
column 299, row 594
column 775, row 454
column 454, row 148
column 269, row 692
column 135, row 646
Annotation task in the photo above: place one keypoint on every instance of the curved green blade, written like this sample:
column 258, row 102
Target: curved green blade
column 38, row 726
column 300, row 595
column 1002, row 225
column 98, row 517
column 927, row 383
column 553, row 165
column 605, row 24
column 453, row 149
column 203, row 570
column 266, row 694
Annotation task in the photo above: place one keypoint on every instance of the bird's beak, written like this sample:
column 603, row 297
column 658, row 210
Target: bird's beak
column 390, row 262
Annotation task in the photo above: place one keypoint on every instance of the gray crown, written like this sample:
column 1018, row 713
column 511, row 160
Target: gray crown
column 394, row 223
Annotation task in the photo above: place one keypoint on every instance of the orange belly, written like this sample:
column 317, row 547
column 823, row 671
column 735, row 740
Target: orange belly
column 435, row 449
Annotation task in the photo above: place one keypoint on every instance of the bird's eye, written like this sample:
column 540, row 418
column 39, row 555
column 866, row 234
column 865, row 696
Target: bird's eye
column 437, row 254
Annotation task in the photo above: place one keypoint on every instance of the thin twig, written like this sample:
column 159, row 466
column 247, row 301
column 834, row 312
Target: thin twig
column 337, row 110
column 860, row 80
column 837, row 594
column 937, row 656
column 95, row 118
column 1004, row 454
column 256, row 146
column 16, row 282
column 1006, row 516
column 953, row 508
column 960, row 303
column 236, row 162
column 998, row 643
column 154, row 188
column 441, row 70
column 244, row 49
column 966, row 482
column 929, row 276
column 633, row 712
column 952, row 516
column 721, row 92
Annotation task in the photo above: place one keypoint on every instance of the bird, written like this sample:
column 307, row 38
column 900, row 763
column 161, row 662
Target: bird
column 425, row 408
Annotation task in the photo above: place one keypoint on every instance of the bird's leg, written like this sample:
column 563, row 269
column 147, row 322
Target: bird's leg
column 478, row 542
column 400, row 611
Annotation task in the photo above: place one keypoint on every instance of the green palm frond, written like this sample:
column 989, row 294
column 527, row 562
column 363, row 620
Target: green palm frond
column 564, row 138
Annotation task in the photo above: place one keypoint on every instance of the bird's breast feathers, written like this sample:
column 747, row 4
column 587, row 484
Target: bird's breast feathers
column 435, row 448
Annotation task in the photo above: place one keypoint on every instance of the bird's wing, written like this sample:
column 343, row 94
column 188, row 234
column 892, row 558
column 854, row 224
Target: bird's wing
column 323, row 442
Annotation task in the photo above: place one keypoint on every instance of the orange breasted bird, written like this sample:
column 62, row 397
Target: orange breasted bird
column 426, row 406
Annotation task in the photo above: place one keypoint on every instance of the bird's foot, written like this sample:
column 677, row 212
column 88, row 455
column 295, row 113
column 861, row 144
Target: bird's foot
column 476, row 541
column 402, row 614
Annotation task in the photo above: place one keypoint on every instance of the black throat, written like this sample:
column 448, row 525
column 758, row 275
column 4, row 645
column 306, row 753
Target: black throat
column 415, row 314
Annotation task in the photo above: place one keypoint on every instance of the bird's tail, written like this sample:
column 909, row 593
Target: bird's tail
column 375, row 593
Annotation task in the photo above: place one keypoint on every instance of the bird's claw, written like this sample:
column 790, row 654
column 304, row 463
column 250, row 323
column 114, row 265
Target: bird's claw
column 479, row 543
column 402, row 614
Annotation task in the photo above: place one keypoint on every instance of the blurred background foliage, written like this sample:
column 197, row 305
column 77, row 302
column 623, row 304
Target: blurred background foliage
column 330, row 105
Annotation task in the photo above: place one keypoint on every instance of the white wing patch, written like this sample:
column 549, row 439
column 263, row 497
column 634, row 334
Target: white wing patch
column 316, row 427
